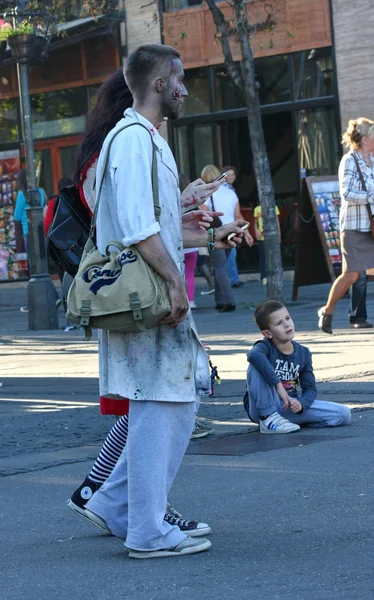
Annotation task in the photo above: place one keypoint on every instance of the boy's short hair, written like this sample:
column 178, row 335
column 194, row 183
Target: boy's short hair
column 146, row 61
column 263, row 312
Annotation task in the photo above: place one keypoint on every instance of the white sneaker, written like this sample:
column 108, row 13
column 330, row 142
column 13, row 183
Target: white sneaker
column 192, row 304
column 275, row 423
column 93, row 518
column 264, row 281
column 187, row 546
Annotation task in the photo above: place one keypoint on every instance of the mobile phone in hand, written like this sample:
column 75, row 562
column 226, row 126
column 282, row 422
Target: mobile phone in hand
column 223, row 176
column 232, row 235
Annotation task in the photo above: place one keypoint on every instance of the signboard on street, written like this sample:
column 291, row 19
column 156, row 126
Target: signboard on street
column 319, row 258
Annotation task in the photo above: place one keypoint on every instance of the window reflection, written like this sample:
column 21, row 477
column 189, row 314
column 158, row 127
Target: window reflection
column 197, row 101
column 61, row 112
column 273, row 78
column 318, row 141
column 227, row 95
column 8, row 120
column 314, row 74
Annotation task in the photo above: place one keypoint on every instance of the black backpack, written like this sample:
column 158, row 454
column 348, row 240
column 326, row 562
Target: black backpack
column 69, row 231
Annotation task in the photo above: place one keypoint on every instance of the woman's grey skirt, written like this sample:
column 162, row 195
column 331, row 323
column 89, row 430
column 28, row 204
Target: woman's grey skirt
column 357, row 250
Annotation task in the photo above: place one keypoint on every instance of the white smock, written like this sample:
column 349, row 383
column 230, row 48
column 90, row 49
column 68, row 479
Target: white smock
column 163, row 364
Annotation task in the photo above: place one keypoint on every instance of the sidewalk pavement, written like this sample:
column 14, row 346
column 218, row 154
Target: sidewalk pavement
column 291, row 516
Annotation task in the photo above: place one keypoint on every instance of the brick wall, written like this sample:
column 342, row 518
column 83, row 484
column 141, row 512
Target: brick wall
column 353, row 30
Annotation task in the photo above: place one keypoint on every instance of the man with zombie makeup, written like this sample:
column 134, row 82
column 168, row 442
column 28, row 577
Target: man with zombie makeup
column 162, row 371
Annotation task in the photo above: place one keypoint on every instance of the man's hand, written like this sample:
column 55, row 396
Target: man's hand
column 284, row 397
column 198, row 219
column 179, row 303
column 225, row 230
column 196, row 192
column 295, row 406
column 248, row 238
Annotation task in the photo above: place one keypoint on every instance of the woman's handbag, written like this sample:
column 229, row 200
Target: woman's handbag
column 364, row 189
column 118, row 291
column 216, row 220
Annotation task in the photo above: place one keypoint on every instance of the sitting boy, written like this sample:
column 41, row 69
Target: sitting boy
column 278, row 365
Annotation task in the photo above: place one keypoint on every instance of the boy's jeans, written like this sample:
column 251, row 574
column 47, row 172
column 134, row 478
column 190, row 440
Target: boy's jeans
column 232, row 268
column 263, row 400
column 357, row 293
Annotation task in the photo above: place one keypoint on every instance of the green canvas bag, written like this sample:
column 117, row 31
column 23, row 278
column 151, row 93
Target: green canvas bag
column 118, row 291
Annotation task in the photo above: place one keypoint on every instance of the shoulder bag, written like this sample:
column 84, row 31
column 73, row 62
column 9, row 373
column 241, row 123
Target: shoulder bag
column 216, row 220
column 118, row 291
column 364, row 189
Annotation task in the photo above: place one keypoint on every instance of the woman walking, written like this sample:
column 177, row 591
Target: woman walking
column 356, row 178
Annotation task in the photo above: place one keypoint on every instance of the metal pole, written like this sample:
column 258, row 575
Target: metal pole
column 42, row 311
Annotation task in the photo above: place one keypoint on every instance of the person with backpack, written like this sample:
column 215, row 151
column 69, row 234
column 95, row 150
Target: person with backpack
column 113, row 99
column 162, row 409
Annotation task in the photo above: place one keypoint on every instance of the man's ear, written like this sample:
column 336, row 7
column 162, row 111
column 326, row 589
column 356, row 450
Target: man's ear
column 266, row 333
column 158, row 84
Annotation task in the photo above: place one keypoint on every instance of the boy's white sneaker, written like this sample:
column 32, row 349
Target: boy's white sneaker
column 275, row 423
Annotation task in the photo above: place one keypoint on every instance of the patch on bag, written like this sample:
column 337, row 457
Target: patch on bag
column 102, row 276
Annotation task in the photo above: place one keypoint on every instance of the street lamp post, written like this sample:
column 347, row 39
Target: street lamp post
column 41, row 297
column 42, row 310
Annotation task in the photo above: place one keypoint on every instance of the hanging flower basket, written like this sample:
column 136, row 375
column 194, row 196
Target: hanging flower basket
column 27, row 48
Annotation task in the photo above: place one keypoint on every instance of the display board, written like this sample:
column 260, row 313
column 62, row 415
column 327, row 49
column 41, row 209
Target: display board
column 13, row 259
column 319, row 257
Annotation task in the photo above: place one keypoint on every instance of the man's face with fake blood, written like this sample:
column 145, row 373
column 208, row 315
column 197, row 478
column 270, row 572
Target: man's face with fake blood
column 174, row 91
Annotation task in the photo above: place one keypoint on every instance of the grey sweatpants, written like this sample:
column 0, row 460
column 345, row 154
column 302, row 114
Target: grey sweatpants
column 133, row 499
column 223, row 293
column 263, row 400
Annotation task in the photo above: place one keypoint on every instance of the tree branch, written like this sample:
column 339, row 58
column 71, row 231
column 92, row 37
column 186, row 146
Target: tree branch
column 223, row 28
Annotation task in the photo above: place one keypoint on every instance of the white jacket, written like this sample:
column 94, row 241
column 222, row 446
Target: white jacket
column 163, row 364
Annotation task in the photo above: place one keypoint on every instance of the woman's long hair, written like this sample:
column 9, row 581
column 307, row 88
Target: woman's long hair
column 114, row 97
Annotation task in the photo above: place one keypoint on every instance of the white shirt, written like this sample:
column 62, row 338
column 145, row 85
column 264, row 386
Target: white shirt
column 162, row 364
column 225, row 200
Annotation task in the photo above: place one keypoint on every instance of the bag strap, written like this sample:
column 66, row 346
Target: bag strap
column 156, row 202
column 363, row 185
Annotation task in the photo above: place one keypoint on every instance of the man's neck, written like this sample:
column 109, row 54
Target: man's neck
column 149, row 112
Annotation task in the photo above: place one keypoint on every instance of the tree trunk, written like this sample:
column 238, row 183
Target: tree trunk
column 261, row 167
column 247, row 83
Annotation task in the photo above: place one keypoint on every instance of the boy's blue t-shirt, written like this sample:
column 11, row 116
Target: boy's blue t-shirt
column 292, row 370
column 20, row 213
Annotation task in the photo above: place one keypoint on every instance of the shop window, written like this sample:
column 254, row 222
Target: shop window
column 227, row 95
column 62, row 112
column 197, row 101
column 183, row 153
column 273, row 79
column 314, row 73
column 203, row 147
column 318, row 141
column 8, row 120
column 178, row 4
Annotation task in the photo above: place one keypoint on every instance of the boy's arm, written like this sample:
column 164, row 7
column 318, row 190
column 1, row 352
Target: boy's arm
column 307, row 384
column 258, row 357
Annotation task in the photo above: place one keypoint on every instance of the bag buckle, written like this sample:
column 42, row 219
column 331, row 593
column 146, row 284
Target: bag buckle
column 136, row 307
column 85, row 312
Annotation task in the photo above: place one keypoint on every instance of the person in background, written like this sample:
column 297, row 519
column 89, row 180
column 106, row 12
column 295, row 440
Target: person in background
column 203, row 270
column 356, row 179
column 232, row 267
column 224, row 200
column 357, row 307
column 259, row 231
column 20, row 215
column 190, row 256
